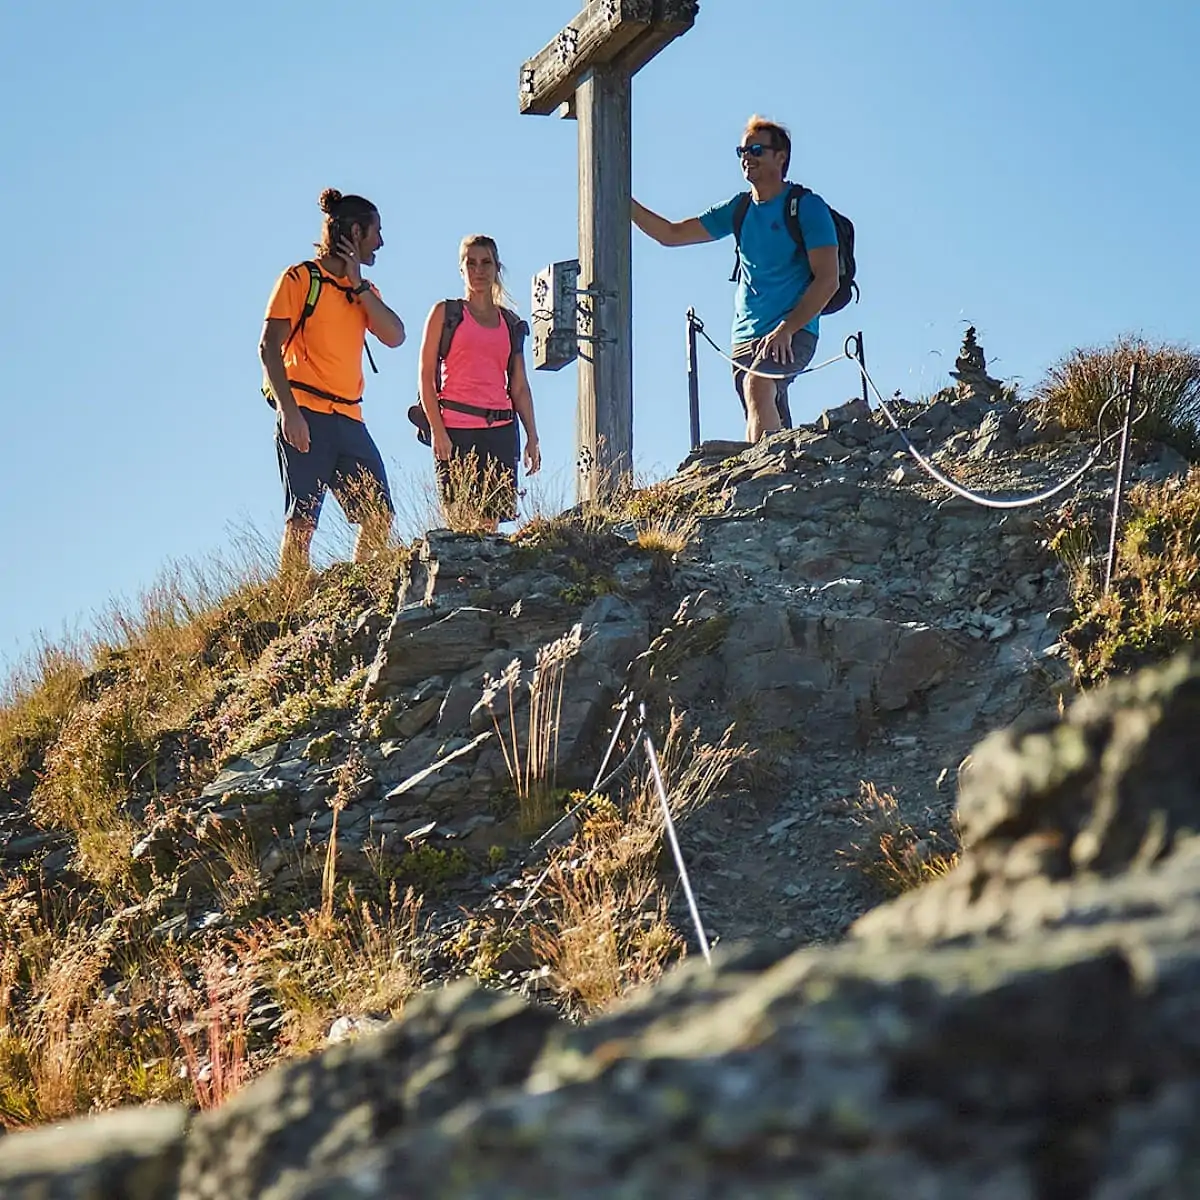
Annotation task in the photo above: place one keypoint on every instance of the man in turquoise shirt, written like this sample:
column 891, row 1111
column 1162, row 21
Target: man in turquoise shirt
column 779, row 294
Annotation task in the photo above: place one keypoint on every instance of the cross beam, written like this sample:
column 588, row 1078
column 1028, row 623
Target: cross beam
column 627, row 33
column 592, row 63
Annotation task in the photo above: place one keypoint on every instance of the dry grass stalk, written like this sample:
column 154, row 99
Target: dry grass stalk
column 347, row 783
column 474, row 494
column 889, row 850
column 210, row 1023
column 533, row 767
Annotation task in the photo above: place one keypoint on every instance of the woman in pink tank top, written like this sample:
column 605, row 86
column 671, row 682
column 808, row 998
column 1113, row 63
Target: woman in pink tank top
column 472, row 388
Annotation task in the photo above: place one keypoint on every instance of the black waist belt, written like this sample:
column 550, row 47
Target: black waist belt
column 493, row 416
column 312, row 391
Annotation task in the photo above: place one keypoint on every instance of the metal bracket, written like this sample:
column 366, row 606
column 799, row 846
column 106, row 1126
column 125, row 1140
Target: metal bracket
column 596, row 293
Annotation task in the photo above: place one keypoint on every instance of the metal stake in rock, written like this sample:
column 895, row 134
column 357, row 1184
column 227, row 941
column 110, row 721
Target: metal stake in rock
column 587, row 72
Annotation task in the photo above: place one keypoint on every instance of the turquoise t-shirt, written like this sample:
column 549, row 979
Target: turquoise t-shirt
column 774, row 275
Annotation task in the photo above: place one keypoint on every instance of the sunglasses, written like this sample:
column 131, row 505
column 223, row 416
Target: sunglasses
column 757, row 150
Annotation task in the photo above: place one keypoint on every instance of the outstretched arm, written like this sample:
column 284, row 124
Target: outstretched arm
column 669, row 233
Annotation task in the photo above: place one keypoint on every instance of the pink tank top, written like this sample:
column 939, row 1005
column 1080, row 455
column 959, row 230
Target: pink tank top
column 476, row 370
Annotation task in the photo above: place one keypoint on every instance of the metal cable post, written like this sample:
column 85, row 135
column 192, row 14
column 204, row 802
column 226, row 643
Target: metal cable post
column 693, row 371
column 1131, row 397
column 675, row 850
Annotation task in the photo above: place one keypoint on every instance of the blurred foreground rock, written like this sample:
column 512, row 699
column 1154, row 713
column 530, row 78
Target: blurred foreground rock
column 1025, row 1029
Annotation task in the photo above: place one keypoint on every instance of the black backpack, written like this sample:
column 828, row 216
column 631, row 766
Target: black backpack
column 316, row 279
column 791, row 215
column 451, row 320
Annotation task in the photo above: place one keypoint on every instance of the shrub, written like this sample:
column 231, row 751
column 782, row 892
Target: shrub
column 889, row 851
column 1077, row 388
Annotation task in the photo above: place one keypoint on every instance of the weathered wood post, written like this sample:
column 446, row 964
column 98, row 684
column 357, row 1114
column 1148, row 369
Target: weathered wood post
column 587, row 72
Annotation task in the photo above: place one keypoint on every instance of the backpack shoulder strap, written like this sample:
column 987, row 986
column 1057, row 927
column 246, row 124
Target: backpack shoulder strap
column 452, row 316
column 518, row 331
column 740, row 208
column 791, row 215
column 315, row 279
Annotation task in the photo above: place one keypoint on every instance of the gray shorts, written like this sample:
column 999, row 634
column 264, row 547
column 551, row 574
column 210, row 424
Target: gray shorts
column 750, row 354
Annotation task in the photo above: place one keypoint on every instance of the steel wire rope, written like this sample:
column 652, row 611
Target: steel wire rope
column 764, row 374
column 979, row 498
column 995, row 501
column 680, row 865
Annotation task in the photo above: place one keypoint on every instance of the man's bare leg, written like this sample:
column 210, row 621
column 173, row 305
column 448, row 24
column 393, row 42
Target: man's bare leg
column 372, row 537
column 762, row 415
column 294, row 549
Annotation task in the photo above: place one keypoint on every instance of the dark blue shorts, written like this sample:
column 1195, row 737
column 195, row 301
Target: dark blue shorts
column 750, row 354
column 342, row 456
column 495, row 450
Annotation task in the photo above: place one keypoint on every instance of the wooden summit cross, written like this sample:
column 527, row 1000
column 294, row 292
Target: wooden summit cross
column 586, row 73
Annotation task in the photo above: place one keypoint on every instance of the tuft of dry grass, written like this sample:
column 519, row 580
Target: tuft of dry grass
column 35, row 703
column 210, row 1025
column 356, row 957
column 473, row 494
column 69, row 1043
column 888, row 850
column 667, row 535
column 1077, row 388
column 529, row 742
column 664, row 513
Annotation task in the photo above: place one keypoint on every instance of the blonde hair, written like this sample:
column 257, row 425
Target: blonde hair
column 500, row 296
column 780, row 138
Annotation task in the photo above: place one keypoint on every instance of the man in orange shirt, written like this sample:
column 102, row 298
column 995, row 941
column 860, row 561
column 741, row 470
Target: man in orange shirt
column 311, row 349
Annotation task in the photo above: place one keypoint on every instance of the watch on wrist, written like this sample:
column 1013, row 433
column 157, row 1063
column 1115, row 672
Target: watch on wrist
column 362, row 287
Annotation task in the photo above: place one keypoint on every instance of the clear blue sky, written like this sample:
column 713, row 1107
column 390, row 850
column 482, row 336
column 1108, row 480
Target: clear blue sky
column 1028, row 166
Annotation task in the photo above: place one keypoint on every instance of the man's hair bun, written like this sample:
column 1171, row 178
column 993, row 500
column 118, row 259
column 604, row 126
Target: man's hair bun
column 330, row 199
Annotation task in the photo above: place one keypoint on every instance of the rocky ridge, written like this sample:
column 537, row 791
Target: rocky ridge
column 853, row 621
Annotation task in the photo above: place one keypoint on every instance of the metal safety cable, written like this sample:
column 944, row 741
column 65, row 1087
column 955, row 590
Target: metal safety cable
column 737, row 366
column 978, row 497
column 996, row 502
column 675, row 850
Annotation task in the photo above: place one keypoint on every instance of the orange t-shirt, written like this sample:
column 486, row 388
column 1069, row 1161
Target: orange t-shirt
column 327, row 352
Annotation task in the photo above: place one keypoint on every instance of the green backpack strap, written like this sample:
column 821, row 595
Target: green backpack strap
column 310, row 301
column 315, row 280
